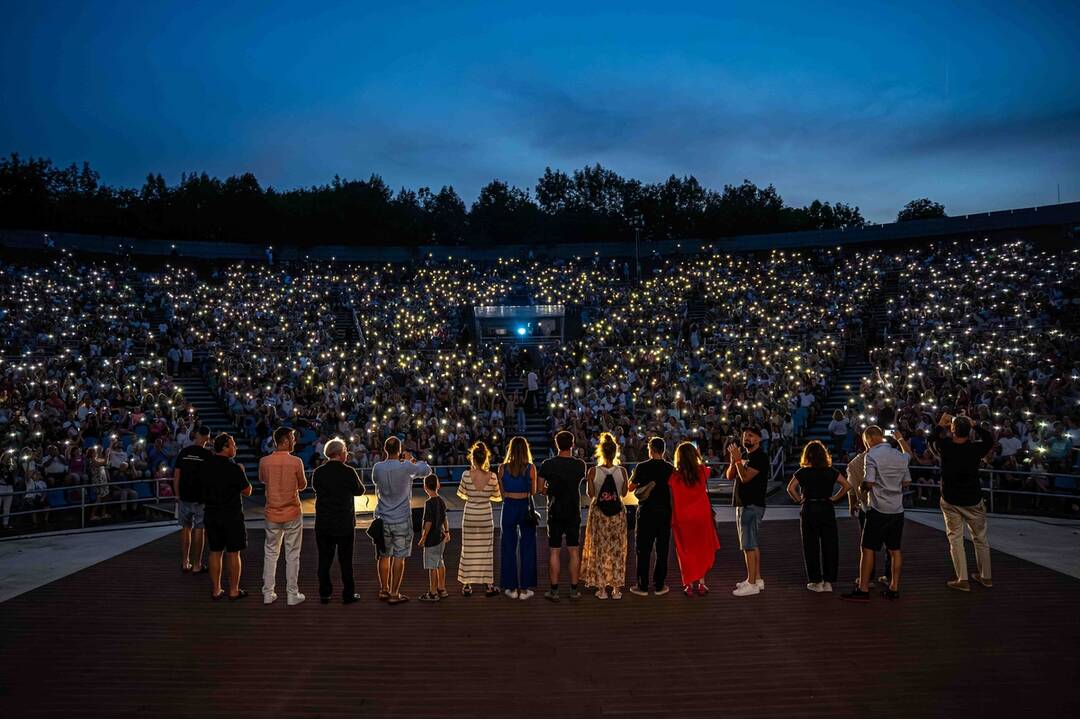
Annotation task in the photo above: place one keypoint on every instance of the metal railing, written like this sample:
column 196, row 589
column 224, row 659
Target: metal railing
column 990, row 482
column 84, row 503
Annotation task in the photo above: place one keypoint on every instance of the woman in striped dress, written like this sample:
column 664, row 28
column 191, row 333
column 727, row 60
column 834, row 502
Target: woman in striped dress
column 478, row 487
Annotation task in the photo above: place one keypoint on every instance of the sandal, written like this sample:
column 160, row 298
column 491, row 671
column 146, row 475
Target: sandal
column 384, row 595
column 397, row 599
column 689, row 590
column 492, row 591
column 702, row 589
column 185, row 568
column 430, row 597
column 218, row 596
column 240, row 595
column 467, row 590
column 200, row 571
column 443, row 594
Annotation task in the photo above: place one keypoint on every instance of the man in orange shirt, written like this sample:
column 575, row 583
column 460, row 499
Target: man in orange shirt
column 282, row 474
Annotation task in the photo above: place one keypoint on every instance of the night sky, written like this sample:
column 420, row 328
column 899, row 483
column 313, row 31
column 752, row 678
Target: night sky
column 974, row 104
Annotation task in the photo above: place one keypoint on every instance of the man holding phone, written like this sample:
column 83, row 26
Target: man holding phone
column 960, row 446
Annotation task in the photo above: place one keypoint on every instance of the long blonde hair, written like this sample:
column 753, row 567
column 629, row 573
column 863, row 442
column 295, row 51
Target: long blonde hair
column 518, row 455
column 607, row 450
column 480, row 456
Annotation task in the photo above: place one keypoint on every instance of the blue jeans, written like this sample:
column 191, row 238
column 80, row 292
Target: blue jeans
column 516, row 534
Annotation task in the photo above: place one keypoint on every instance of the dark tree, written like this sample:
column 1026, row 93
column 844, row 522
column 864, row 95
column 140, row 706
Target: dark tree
column 921, row 209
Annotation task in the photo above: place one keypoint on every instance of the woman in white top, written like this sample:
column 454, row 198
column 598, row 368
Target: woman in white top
column 603, row 560
column 478, row 487
column 838, row 430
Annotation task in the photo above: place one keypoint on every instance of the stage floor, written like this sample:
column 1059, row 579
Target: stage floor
column 132, row 636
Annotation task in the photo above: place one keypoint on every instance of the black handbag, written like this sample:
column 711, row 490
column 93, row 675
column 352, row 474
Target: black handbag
column 375, row 532
column 532, row 517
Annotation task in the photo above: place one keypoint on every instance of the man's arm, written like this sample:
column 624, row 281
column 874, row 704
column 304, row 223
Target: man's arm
column 264, row 471
column 358, row 484
column 176, row 483
column 301, row 479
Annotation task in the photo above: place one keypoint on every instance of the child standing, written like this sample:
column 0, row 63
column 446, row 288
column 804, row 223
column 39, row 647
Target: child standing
column 433, row 538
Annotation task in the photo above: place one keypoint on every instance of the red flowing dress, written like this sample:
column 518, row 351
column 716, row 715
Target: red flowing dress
column 693, row 526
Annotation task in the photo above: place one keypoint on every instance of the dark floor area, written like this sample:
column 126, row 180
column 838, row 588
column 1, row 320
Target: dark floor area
column 132, row 636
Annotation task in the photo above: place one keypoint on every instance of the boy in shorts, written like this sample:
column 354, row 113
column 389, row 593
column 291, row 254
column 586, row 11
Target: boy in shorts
column 433, row 538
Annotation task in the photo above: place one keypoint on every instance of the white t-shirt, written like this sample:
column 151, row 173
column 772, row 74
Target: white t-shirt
column 1010, row 446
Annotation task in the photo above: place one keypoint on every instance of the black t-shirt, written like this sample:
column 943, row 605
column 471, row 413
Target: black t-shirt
column 223, row 484
column 753, row 492
column 191, row 463
column 960, row 465
column 336, row 484
column 563, row 476
column 817, row 483
column 434, row 513
column 659, row 471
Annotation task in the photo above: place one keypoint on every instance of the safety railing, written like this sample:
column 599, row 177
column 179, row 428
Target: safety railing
column 122, row 493
column 991, row 484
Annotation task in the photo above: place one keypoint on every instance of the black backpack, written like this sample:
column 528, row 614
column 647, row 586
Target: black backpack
column 608, row 500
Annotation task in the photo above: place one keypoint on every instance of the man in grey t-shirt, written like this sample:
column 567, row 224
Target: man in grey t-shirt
column 393, row 478
column 886, row 475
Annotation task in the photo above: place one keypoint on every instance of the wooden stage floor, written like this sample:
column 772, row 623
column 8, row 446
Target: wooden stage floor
column 132, row 636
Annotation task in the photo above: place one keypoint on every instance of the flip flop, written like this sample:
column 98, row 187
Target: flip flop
column 397, row 599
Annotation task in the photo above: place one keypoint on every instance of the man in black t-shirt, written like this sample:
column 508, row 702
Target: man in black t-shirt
column 188, row 491
column 224, row 488
column 649, row 483
column 751, row 476
column 961, row 451
column 560, row 480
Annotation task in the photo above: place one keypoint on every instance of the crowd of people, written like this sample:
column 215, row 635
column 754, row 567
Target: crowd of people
column 703, row 347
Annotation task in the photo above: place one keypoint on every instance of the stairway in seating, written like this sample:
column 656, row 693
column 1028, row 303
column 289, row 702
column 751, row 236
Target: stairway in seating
column 536, row 425
column 844, row 389
column 883, row 313
column 212, row 414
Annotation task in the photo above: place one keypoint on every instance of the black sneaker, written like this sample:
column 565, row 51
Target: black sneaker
column 856, row 595
column 552, row 595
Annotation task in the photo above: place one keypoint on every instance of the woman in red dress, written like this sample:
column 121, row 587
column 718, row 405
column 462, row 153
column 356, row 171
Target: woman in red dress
column 692, row 519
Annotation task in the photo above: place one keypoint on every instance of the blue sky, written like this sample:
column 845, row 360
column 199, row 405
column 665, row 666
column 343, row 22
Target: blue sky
column 974, row 104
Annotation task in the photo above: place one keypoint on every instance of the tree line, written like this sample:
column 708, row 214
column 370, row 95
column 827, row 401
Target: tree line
column 593, row 204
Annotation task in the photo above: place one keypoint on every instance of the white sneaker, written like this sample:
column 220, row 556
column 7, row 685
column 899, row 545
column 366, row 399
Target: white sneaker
column 525, row 594
column 297, row 598
column 815, row 587
column 512, row 594
column 760, row 584
column 269, row 598
column 826, row 587
column 746, row 589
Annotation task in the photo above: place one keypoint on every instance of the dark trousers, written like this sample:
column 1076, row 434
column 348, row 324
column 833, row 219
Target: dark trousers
column 652, row 529
column 328, row 545
column 873, row 571
column 821, row 545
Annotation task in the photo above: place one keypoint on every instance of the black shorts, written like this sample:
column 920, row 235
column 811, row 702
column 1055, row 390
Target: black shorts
column 558, row 528
column 883, row 529
column 225, row 534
